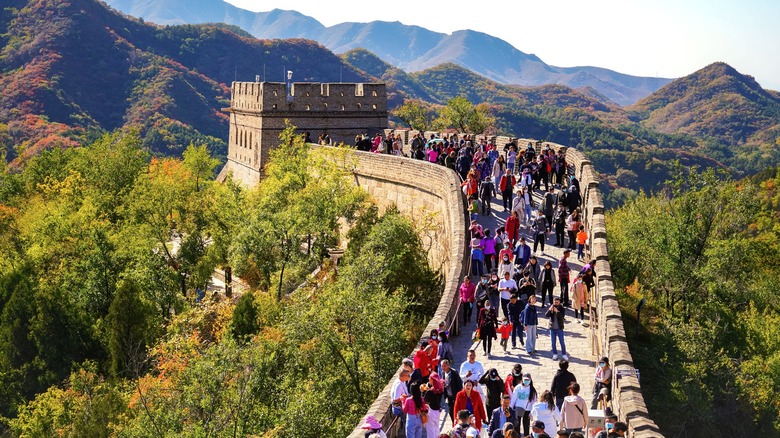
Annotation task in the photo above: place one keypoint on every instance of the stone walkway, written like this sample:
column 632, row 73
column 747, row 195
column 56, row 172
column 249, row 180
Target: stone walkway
column 541, row 366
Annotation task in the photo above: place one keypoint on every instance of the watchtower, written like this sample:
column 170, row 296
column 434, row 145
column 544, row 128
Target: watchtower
column 258, row 111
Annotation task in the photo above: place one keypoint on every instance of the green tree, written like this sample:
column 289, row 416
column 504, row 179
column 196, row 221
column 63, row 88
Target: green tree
column 464, row 116
column 245, row 317
column 131, row 328
column 413, row 114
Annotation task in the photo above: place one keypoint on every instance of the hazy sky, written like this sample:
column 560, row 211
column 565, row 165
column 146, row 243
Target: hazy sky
column 667, row 38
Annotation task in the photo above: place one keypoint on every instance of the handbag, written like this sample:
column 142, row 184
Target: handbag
column 424, row 416
column 476, row 334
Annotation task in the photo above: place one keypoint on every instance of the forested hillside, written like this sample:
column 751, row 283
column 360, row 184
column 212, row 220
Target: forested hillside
column 704, row 255
column 73, row 69
column 107, row 325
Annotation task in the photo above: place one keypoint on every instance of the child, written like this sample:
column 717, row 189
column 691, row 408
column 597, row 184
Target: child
column 582, row 237
column 505, row 330
column 473, row 207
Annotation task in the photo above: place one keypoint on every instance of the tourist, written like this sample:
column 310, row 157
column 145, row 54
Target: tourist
column 482, row 291
column 433, row 397
column 527, row 286
column 422, row 360
column 515, row 309
column 506, row 186
column 508, row 431
column 547, row 280
column 563, row 276
column 415, row 408
column 494, row 388
column 452, row 386
column 502, row 415
column 399, row 391
column 522, row 254
column 539, row 227
column 465, row 419
column 549, row 204
column 609, row 424
column 507, row 286
column 467, row 290
column 371, row 426
column 529, row 205
column 487, row 322
column 579, row 298
column 574, row 413
column 471, row 369
column 556, row 315
column 498, row 169
column 477, row 256
column 545, row 411
column 489, row 251
column 534, row 269
column 572, row 227
column 530, row 319
column 470, row 397
column 518, row 202
column 512, row 227
column 494, row 296
column 505, row 329
column 602, row 383
column 561, row 382
column 559, row 224
column 486, row 193
column 582, row 238
column 538, row 430
column 523, row 399
column 513, row 379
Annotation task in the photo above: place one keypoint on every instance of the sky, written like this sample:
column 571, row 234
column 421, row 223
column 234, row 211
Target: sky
column 663, row 38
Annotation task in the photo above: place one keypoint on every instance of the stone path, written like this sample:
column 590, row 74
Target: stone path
column 541, row 366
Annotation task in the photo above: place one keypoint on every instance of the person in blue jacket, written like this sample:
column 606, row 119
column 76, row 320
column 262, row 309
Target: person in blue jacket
column 530, row 319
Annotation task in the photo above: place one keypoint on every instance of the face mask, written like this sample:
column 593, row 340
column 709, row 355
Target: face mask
column 495, row 278
column 609, row 426
column 506, row 259
column 435, row 338
column 526, row 382
column 536, row 435
column 602, row 364
column 484, row 280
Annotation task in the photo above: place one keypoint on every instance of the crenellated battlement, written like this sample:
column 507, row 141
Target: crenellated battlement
column 309, row 96
column 259, row 110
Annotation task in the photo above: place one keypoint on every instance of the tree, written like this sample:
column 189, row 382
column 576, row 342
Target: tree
column 200, row 164
column 245, row 321
column 413, row 114
column 131, row 329
column 464, row 116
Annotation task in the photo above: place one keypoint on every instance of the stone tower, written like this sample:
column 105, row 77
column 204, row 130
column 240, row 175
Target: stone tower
column 258, row 111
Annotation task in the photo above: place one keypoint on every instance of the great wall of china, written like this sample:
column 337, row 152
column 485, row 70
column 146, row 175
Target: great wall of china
column 422, row 189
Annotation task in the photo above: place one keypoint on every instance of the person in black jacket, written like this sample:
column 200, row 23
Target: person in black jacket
column 514, row 308
column 556, row 314
column 560, row 383
column 453, row 384
column 509, row 416
column 495, row 387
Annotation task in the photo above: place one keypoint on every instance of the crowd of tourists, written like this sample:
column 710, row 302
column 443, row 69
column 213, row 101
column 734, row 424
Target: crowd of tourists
column 508, row 290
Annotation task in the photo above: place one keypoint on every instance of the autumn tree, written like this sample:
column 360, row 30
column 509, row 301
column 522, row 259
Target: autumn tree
column 464, row 116
column 414, row 115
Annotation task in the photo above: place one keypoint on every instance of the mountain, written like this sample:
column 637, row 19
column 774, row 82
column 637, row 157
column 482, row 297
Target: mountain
column 722, row 107
column 70, row 69
column 410, row 48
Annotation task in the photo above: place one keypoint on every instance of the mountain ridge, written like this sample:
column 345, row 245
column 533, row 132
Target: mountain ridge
column 410, row 48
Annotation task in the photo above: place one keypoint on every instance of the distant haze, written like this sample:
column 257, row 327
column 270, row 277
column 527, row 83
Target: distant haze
column 665, row 38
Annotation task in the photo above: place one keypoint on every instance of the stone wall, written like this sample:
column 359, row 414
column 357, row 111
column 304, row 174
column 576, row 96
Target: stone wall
column 424, row 192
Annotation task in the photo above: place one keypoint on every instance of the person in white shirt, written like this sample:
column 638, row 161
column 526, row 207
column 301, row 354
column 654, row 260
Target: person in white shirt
column 472, row 370
column 507, row 286
column 398, row 393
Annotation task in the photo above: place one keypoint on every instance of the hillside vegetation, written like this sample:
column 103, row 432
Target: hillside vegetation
column 73, row 69
column 107, row 327
column 704, row 256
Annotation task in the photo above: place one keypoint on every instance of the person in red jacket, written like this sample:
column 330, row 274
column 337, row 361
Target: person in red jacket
column 423, row 361
column 506, row 185
column 512, row 227
column 470, row 400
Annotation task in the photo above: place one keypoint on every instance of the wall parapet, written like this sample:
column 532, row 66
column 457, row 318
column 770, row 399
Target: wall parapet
column 420, row 188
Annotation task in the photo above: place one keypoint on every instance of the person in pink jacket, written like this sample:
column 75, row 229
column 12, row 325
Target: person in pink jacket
column 467, row 289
